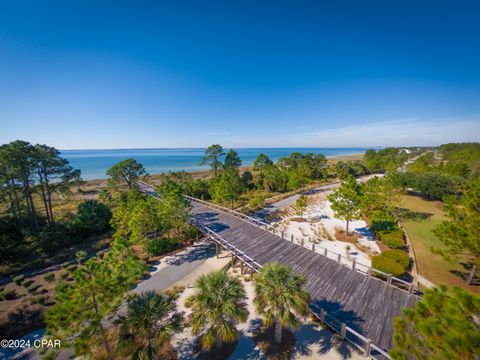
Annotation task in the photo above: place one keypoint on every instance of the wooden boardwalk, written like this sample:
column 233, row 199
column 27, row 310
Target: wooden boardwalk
column 363, row 303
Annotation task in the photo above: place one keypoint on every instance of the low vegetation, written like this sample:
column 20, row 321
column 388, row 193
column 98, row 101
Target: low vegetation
column 78, row 297
column 394, row 262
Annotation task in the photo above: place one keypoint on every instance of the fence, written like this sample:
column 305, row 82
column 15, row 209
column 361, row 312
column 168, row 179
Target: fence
column 346, row 333
column 353, row 264
column 356, row 339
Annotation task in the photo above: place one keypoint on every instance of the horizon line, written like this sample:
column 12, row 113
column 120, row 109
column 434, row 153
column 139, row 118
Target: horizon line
column 253, row 147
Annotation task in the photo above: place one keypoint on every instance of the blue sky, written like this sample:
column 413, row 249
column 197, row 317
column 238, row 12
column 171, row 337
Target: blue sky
column 99, row 74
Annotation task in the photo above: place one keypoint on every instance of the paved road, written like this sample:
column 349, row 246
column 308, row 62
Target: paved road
column 176, row 267
column 263, row 213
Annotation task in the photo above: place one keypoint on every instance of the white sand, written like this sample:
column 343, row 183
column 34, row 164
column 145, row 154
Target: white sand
column 320, row 227
column 313, row 342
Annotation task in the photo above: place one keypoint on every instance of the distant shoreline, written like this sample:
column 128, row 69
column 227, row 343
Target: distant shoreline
column 94, row 164
column 205, row 173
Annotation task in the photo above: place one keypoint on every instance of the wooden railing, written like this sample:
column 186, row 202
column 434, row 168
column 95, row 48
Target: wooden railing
column 346, row 333
column 356, row 339
column 249, row 219
column 367, row 270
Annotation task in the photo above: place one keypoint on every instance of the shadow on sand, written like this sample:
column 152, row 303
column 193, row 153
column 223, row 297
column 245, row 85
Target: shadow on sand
column 194, row 253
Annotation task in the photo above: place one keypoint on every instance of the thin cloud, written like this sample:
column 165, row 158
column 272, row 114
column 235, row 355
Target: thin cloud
column 402, row 132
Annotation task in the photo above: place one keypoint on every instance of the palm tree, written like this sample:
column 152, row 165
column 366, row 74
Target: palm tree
column 218, row 305
column 150, row 322
column 281, row 297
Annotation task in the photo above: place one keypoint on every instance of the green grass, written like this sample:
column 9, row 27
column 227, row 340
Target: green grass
column 419, row 219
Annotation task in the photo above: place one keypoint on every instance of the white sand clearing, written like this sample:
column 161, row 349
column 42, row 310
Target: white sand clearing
column 320, row 225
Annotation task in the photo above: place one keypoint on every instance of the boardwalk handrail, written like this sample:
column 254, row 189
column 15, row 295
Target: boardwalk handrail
column 389, row 279
column 341, row 328
column 236, row 213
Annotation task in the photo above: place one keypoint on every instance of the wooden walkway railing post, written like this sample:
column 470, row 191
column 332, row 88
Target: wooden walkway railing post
column 368, row 347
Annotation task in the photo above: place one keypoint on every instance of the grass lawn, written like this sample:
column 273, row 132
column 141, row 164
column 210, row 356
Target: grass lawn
column 419, row 219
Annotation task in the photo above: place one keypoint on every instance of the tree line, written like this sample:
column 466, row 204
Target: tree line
column 27, row 169
column 33, row 178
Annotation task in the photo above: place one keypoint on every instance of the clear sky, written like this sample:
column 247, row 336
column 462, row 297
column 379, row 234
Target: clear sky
column 100, row 74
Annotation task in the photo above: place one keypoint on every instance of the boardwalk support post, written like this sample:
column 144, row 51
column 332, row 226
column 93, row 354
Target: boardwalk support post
column 233, row 261
column 322, row 316
column 241, row 267
column 302, row 242
column 369, row 272
column 283, row 234
column 354, row 264
column 343, row 331
column 368, row 347
column 291, row 238
column 216, row 249
column 389, row 279
column 410, row 288
column 325, row 252
column 339, row 258
column 313, row 247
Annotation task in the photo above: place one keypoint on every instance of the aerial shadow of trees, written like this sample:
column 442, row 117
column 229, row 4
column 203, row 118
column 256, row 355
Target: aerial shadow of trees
column 407, row 214
column 326, row 340
column 464, row 274
column 211, row 220
column 194, row 253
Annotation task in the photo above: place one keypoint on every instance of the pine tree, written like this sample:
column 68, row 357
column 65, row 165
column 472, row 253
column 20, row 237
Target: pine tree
column 81, row 306
column 461, row 232
column 346, row 200
column 227, row 187
column 212, row 157
column 126, row 171
column 232, row 160
column 301, row 205
column 444, row 326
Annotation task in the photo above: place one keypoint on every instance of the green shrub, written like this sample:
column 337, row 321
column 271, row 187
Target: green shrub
column 393, row 239
column 381, row 221
column 18, row 279
column 64, row 275
column 387, row 265
column 399, row 256
column 49, row 277
column 174, row 292
column 71, row 268
column 256, row 201
column 27, row 283
column 144, row 257
column 32, row 288
column 61, row 286
column 41, row 299
column 188, row 302
column 160, row 246
column 9, row 294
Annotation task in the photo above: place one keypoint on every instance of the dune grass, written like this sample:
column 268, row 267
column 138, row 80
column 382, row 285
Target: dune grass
column 420, row 217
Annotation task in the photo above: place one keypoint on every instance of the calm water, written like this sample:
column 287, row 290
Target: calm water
column 94, row 163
